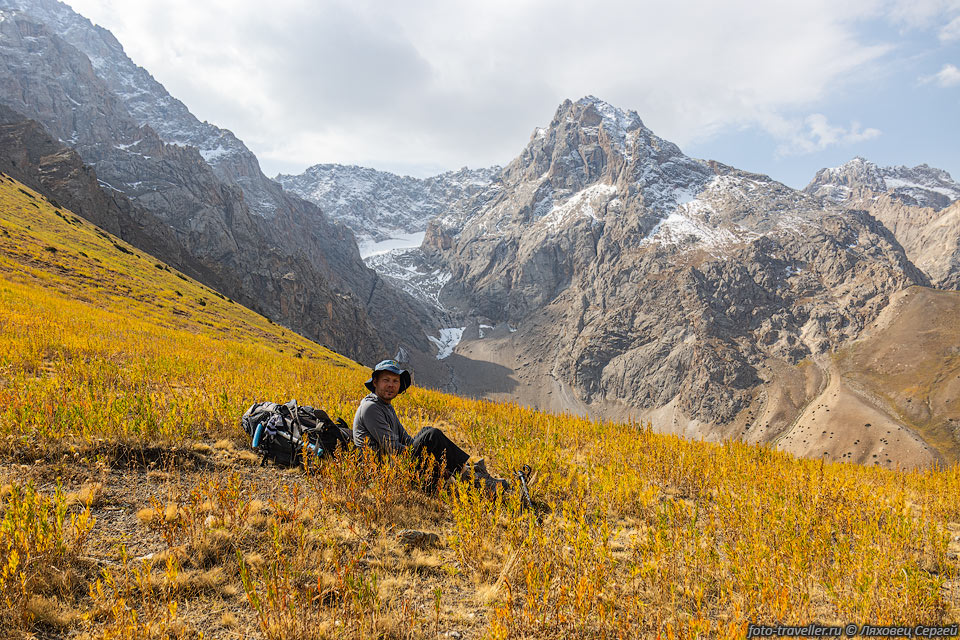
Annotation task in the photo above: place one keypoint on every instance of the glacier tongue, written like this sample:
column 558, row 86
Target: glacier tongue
column 398, row 241
column 409, row 270
column 448, row 341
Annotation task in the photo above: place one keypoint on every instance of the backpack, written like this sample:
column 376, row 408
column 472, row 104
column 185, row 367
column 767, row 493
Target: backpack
column 284, row 432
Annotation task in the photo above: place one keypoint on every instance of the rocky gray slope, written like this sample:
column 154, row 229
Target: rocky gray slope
column 919, row 205
column 638, row 277
column 48, row 166
column 378, row 204
column 278, row 255
column 148, row 103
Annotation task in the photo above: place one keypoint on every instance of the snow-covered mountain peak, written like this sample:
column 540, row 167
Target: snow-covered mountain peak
column 615, row 120
column 921, row 185
column 591, row 142
column 381, row 207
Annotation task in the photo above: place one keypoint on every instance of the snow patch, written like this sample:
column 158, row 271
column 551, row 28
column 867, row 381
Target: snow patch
column 209, row 155
column 448, row 340
column 370, row 247
column 684, row 195
column 484, row 328
column 580, row 205
column 684, row 225
column 678, row 228
column 897, row 183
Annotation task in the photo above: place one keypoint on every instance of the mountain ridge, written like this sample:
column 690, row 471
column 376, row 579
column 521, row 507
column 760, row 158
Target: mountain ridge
column 921, row 186
column 376, row 204
column 920, row 205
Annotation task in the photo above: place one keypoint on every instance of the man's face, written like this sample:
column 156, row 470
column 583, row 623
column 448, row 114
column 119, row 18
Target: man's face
column 386, row 385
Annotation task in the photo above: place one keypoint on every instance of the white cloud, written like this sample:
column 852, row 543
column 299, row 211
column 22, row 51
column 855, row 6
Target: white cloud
column 951, row 32
column 920, row 14
column 800, row 136
column 430, row 83
column 948, row 76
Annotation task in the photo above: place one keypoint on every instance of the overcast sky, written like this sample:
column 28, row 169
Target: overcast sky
column 422, row 86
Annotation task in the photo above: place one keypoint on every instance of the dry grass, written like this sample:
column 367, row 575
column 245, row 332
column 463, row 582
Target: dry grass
column 116, row 384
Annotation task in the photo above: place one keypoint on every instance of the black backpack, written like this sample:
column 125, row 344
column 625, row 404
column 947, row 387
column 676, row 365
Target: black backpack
column 284, row 432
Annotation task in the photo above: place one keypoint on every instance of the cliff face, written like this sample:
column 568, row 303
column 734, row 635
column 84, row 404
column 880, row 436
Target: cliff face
column 239, row 232
column 31, row 156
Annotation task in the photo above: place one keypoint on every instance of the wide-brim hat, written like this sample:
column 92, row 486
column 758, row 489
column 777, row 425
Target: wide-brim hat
column 393, row 367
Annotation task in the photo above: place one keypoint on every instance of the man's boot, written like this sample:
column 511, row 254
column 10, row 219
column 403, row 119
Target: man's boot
column 477, row 468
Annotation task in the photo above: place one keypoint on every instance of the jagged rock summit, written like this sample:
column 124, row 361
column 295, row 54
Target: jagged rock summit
column 920, row 186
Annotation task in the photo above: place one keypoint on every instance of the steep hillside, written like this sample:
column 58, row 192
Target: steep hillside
column 890, row 397
column 31, row 156
column 271, row 251
column 910, row 358
column 130, row 506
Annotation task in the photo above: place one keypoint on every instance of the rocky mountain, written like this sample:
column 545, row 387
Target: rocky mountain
column 613, row 274
column 48, row 166
column 249, row 239
column 378, row 205
column 147, row 102
column 920, row 186
column 920, row 206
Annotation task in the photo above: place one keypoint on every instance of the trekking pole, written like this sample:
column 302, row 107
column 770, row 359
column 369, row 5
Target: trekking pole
column 524, row 473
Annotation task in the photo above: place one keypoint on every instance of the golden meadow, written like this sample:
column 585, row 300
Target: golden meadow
column 121, row 386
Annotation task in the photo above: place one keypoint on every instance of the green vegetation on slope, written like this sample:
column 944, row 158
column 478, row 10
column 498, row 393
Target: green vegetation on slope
column 121, row 384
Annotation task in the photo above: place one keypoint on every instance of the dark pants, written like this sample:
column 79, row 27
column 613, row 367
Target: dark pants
column 431, row 440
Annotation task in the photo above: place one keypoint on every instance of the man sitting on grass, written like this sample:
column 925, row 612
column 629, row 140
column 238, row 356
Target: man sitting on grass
column 376, row 425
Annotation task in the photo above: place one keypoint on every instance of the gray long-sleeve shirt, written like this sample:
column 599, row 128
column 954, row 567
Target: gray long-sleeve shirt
column 376, row 425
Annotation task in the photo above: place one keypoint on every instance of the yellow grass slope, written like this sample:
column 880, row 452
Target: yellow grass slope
column 130, row 507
